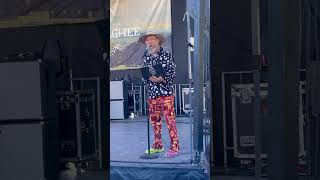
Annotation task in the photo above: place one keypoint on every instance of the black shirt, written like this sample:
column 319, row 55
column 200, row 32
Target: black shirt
column 164, row 88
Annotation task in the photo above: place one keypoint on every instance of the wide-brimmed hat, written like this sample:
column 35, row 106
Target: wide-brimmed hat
column 142, row 39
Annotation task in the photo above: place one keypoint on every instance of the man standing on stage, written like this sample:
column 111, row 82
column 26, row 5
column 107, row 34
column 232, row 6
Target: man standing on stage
column 161, row 93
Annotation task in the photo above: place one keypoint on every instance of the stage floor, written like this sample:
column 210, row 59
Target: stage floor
column 71, row 175
column 128, row 141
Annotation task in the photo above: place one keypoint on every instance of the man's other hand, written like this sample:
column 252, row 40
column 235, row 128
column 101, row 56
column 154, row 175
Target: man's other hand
column 156, row 79
column 153, row 79
column 160, row 79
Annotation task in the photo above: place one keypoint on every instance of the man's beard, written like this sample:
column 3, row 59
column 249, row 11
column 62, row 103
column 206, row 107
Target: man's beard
column 153, row 50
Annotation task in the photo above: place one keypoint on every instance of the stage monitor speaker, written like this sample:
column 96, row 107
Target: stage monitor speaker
column 117, row 89
column 27, row 91
column 29, row 151
column 118, row 109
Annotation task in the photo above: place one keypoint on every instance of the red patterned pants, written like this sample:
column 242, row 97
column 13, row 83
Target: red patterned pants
column 164, row 104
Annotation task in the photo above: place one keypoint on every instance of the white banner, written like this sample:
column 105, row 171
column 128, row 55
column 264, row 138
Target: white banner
column 130, row 19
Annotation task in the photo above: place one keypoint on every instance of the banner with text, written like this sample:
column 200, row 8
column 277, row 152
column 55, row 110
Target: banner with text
column 130, row 20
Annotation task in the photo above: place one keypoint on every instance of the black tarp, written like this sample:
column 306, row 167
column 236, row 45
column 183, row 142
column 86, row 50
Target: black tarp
column 82, row 44
column 15, row 13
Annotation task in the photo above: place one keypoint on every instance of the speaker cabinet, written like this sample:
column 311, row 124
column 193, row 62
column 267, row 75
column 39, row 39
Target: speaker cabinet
column 27, row 91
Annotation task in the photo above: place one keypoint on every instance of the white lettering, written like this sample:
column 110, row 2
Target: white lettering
column 130, row 32
column 125, row 32
column 137, row 32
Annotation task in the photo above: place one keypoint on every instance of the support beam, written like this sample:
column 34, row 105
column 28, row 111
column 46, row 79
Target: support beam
column 256, row 52
column 198, row 77
column 284, row 56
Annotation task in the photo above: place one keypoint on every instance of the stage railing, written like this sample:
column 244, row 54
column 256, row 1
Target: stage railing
column 135, row 94
column 180, row 95
column 145, row 94
column 138, row 98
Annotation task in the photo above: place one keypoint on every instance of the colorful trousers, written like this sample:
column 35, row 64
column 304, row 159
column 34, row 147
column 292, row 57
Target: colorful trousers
column 164, row 104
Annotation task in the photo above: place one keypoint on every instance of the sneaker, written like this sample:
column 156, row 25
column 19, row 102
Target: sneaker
column 171, row 154
column 152, row 151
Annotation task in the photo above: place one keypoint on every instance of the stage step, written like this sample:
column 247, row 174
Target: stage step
column 158, row 172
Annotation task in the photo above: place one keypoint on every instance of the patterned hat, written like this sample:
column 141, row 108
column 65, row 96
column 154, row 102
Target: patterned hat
column 142, row 39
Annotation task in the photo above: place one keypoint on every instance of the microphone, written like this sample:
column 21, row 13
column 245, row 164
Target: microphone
column 147, row 46
column 146, row 50
column 190, row 45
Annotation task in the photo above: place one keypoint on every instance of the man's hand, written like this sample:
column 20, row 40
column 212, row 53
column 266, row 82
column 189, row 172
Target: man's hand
column 156, row 79
column 153, row 79
column 160, row 79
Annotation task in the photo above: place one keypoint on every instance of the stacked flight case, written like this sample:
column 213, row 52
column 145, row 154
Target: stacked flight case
column 76, row 113
column 243, row 122
column 238, row 122
column 119, row 108
column 28, row 122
